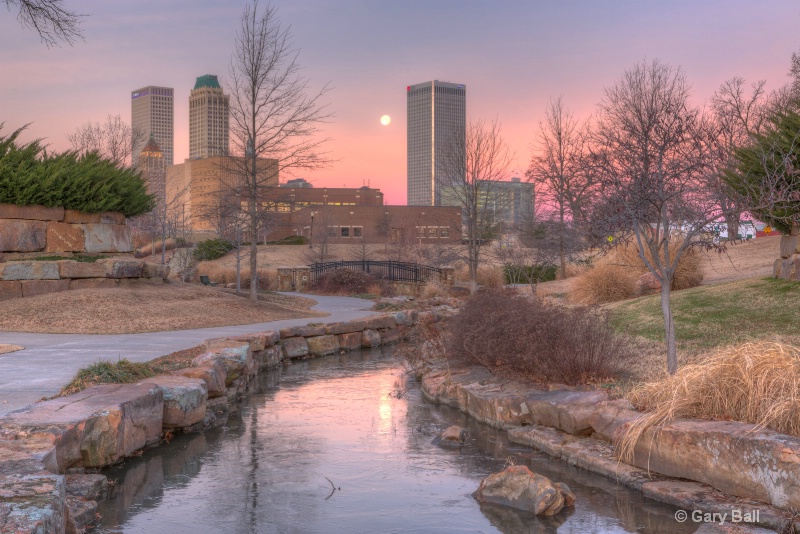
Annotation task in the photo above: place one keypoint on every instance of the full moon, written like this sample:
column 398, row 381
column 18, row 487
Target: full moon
column 385, row 120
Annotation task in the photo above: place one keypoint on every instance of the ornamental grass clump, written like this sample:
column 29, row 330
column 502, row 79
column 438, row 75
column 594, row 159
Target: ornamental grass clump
column 105, row 372
column 757, row 383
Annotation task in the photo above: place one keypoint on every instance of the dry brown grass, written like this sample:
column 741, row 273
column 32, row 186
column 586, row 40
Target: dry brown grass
column 144, row 308
column 6, row 348
column 434, row 288
column 226, row 274
column 756, row 383
column 614, row 276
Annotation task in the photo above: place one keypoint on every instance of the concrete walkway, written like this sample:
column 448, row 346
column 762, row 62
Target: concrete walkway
column 50, row 360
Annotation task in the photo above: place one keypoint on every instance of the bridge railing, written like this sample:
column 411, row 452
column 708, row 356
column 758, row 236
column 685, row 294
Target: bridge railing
column 397, row 271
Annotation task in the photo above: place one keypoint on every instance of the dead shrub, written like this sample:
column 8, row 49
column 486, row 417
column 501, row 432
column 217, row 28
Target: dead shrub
column 542, row 342
column 344, row 282
column 614, row 277
column 489, row 276
column 756, row 383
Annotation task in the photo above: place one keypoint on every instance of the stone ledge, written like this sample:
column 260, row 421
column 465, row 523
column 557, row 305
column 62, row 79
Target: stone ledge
column 475, row 391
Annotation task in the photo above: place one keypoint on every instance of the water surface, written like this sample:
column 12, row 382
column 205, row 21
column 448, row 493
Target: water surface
column 343, row 445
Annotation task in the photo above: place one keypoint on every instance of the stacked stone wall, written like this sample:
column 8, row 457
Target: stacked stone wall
column 39, row 229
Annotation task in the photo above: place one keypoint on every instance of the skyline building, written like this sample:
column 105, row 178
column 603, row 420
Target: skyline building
column 208, row 118
column 153, row 169
column 437, row 120
column 152, row 114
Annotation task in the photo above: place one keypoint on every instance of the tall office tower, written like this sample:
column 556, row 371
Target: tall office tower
column 437, row 119
column 153, row 170
column 208, row 119
column 152, row 114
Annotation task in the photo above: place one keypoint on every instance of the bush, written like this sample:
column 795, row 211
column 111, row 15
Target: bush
column 614, row 277
column 87, row 183
column 524, row 274
column 212, row 249
column 539, row 341
column 344, row 282
column 105, row 372
column 290, row 240
column 757, row 383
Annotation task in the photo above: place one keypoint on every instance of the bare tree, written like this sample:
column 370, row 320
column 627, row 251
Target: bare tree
column 558, row 169
column 468, row 176
column 272, row 115
column 653, row 154
column 739, row 114
column 321, row 234
column 49, row 18
column 114, row 139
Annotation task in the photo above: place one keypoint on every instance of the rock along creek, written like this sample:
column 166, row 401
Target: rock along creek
column 343, row 444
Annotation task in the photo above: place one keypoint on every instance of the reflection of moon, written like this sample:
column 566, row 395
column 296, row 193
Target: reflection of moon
column 385, row 120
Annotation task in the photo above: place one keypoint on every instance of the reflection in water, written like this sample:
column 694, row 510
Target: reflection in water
column 338, row 421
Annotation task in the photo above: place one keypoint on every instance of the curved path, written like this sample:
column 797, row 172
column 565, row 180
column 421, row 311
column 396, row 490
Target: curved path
column 50, row 360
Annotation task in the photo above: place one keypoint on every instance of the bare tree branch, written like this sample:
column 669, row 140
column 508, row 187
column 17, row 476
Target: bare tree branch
column 114, row 139
column 51, row 20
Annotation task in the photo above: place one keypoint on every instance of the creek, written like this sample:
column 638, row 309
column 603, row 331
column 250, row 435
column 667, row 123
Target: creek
column 343, row 445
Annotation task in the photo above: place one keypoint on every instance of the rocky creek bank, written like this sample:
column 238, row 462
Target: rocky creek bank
column 51, row 451
column 714, row 467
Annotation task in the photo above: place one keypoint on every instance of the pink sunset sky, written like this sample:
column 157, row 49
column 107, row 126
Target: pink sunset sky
column 513, row 57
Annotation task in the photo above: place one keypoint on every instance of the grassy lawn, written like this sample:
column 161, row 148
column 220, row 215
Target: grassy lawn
column 712, row 316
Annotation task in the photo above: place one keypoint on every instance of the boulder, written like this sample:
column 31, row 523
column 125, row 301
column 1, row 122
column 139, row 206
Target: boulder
column 124, row 268
column 79, row 513
column 294, row 347
column 86, row 485
column 736, row 458
column 380, row 321
column 112, row 217
column 96, row 427
column 543, row 438
column 404, row 317
column 345, row 327
column 565, row 410
column 390, row 335
column 155, row 270
column 106, row 238
column 370, row 338
column 93, row 283
column 518, row 487
column 79, row 217
column 32, row 503
column 269, row 357
column 184, row 399
column 257, row 341
column 31, row 270
column 322, row 345
column 789, row 244
column 63, row 237
column 609, row 416
column 452, row 436
column 10, row 290
column 350, row 341
column 211, row 370
column 236, row 356
column 20, row 235
column 303, row 331
column 31, row 288
column 39, row 213
column 81, row 269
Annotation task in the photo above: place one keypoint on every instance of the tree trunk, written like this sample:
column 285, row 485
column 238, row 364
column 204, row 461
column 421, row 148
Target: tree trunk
column 669, row 326
column 238, row 268
column 732, row 221
column 563, row 275
column 253, row 265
